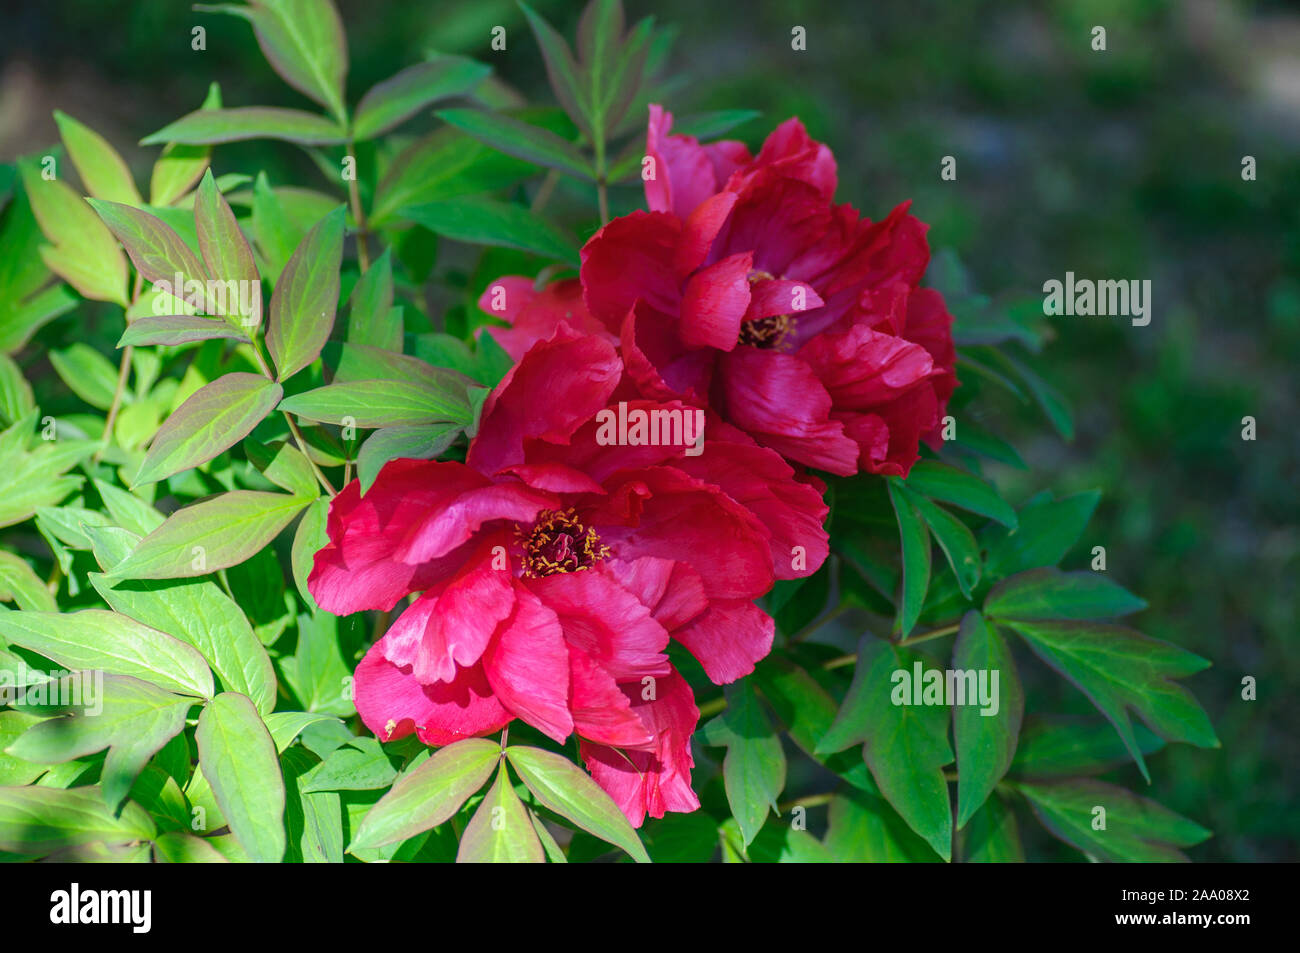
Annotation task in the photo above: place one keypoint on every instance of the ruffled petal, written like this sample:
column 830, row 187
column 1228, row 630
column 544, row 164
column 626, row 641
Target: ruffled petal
column 658, row 781
column 527, row 666
column 393, row 703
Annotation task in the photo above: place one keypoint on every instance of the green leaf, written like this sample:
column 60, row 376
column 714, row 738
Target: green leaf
column 177, row 847
column 480, row 221
column 227, row 255
column 405, row 443
column 96, row 639
column 1046, row 531
column 133, row 719
column 916, row 558
column 181, row 166
column 102, row 170
column 1052, row 594
column 779, row 844
column 443, row 165
column 19, row 319
column 306, row 298
column 369, row 316
column 521, row 140
column 360, row 765
column 214, row 534
column 83, row 251
column 1065, row 747
column 303, row 41
column 359, row 362
column 239, row 762
column 991, row 836
column 985, row 737
column 487, row 362
column 15, row 772
column 199, row 613
column 711, row 125
column 904, row 745
column 308, row 539
column 1048, row 398
column 501, row 831
column 562, row 787
column 276, row 233
column 31, row 480
column 945, row 483
column 753, row 770
column 379, row 403
column 317, row 672
column 159, row 254
column 212, row 126
column 863, row 828
column 954, row 538
column 285, row 726
column 172, row 329
column 397, row 99
column 35, row 821
column 601, row 52
column 16, row 400
column 213, row 419
column 313, row 821
column 20, row 584
column 1119, row 668
column 87, row 373
column 286, row 466
column 566, row 81
column 430, row 794
column 1136, row 829
column 129, row 512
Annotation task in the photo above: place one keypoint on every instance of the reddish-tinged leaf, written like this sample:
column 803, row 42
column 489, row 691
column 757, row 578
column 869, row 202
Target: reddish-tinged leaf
column 213, row 419
column 306, row 298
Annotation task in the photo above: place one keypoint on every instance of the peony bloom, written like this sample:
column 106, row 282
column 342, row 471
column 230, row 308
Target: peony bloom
column 551, row 572
column 747, row 290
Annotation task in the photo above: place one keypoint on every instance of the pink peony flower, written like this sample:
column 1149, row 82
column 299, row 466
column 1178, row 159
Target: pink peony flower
column 550, row 572
column 747, row 290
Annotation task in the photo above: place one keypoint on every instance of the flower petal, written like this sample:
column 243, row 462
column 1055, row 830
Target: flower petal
column 527, row 665
column 393, row 703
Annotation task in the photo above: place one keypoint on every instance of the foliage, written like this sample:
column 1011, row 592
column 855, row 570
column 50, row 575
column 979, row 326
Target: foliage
column 178, row 501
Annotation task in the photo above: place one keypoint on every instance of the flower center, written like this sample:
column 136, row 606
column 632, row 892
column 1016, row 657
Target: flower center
column 767, row 333
column 557, row 542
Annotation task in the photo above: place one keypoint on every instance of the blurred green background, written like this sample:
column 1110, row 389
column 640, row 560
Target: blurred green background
column 1117, row 164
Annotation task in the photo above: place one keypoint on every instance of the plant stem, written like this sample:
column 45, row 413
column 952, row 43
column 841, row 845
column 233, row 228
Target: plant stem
column 811, row 800
column 381, row 622
column 932, row 634
column 713, row 707
column 354, row 194
column 602, row 196
column 123, row 372
column 293, row 425
column 302, row 445
column 844, row 660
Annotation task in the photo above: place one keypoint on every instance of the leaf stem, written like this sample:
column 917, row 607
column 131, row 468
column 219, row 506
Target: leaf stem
column 713, row 706
column 302, row 445
column 123, row 372
column 358, row 214
column 932, row 634
column 845, row 660
column 602, row 195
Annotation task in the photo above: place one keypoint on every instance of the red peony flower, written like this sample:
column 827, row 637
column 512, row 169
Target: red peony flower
column 747, row 290
column 553, row 570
